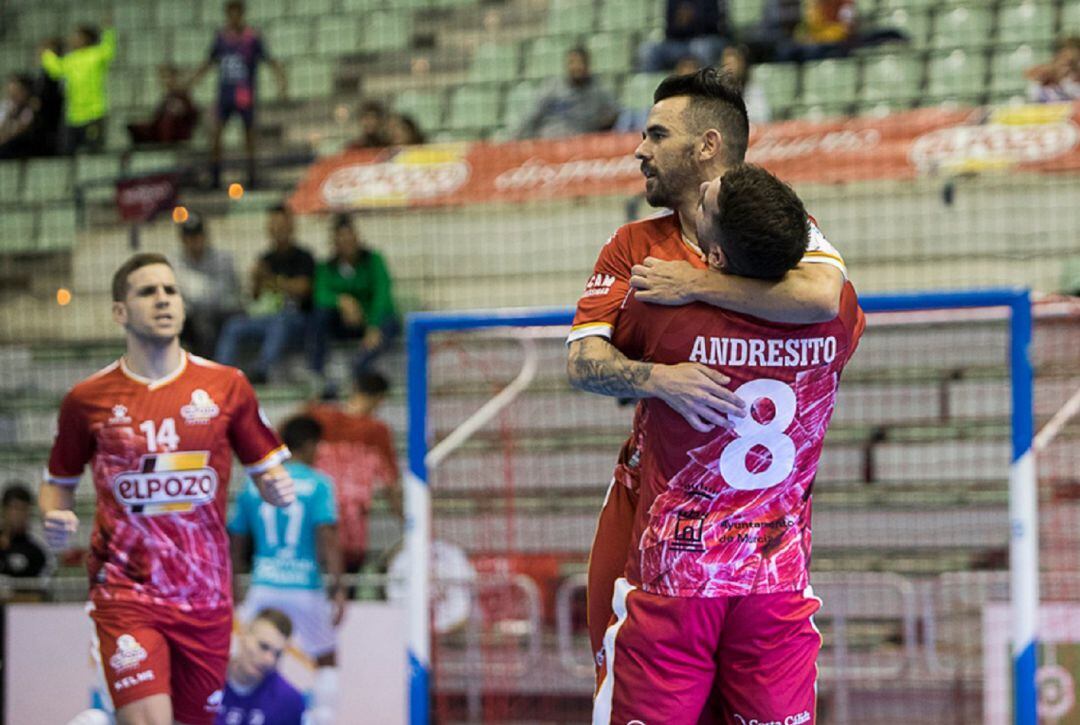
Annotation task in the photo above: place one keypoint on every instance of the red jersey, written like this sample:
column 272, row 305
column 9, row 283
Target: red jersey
column 660, row 237
column 161, row 455
column 727, row 513
column 358, row 453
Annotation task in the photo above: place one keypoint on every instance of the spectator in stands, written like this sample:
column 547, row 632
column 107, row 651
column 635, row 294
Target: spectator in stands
column 776, row 31
column 84, row 69
column 1059, row 79
column 372, row 118
column 50, row 95
column 353, row 299
column 401, row 130
column 255, row 692
column 795, row 31
column 691, row 27
column 357, row 451
column 21, row 555
column 174, row 118
column 572, row 105
column 209, row 285
column 237, row 50
column 19, row 123
column 281, row 300
column 736, row 61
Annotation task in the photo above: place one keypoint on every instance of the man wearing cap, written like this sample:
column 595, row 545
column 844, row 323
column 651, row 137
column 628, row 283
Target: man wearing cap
column 209, row 285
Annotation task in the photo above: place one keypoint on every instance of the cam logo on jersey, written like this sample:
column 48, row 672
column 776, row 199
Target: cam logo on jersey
column 167, row 483
column 599, row 285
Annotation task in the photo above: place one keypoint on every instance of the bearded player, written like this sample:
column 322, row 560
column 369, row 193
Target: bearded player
column 159, row 427
column 716, row 602
column 696, row 129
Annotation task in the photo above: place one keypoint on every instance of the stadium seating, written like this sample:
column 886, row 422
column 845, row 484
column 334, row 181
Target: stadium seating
column 547, row 57
column 610, row 53
column 495, row 62
column 956, row 76
column 571, row 17
column 386, row 31
column 520, row 100
column 627, row 15
column 963, row 26
column 56, row 229
column 913, row 22
column 190, row 46
column 337, row 35
column 311, row 78
column 830, row 82
column 1028, row 21
column 892, row 78
column 780, row 81
column 18, row 234
column 1070, row 19
column 474, row 107
column 1007, row 71
column 47, row 180
column 10, row 177
column 426, row 107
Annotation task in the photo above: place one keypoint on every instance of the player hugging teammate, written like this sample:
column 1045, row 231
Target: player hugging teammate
column 714, row 317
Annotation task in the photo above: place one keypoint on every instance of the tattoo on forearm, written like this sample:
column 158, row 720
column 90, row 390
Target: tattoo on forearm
column 614, row 375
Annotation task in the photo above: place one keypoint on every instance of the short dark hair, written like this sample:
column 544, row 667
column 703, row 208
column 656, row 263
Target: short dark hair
column 280, row 208
column 16, row 491
column 369, row 382
column 301, row 430
column 143, row 259
column 341, row 221
column 761, row 224
column 276, row 617
column 715, row 102
column 371, row 106
column 238, row 4
column 582, row 51
column 90, row 32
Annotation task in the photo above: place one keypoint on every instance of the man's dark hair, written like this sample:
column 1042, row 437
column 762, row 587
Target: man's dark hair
column 715, row 102
column 369, row 382
column 90, row 32
column 371, row 106
column 761, row 224
column 238, row 4
column 341, row 221
column 582, row 51
column 278, row 618
column 301, row 430
column 280, row 208
column 143, row 259
column 15, row 491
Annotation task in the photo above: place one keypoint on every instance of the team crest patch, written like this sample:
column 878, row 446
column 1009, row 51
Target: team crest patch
column 201, row 410
column 129, row 653
column 119, row 415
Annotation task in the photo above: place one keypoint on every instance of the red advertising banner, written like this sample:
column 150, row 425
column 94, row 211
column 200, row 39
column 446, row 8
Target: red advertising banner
column 904, row 145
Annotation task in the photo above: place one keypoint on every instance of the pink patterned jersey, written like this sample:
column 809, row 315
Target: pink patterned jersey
column 728, row 512
column 161, row 455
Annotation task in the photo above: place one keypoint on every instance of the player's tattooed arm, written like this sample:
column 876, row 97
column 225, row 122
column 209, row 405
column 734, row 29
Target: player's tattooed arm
column 693, row 390
column 808, row 294
column 596, row 366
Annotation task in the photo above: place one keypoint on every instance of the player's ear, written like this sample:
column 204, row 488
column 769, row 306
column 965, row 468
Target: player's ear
column 715, row 258
column 711, row 145
column 119, row 313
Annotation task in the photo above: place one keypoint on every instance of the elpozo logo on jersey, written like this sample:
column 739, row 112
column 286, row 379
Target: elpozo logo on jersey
column 167, row 483
column 201, row 410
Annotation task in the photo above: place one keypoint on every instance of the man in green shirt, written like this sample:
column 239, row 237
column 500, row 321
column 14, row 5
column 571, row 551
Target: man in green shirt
column 352, row 299
column 84, row 71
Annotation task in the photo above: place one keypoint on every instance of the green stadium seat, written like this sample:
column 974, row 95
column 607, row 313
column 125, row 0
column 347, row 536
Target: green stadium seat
column 627, row 15
column 610, row 53
column 149, row 162
column 780, row 81
column 384, row 31
column 146, row 49
column 891, row 77
column 520, row 101
column 474, row 107
column 260, row 12
column 452, row 3
column 495, row 62
column 829, row 82
column 10, row 177
column 116, row 135
column 311, row 78
column 190, row 46
column 1070, row 19
column 866, row 8
column 56, row 229
column 362, row 6
column 571, row 17
column 16, row 231
column 15, row 57
column 425, row 107
column 957, row 76
column 1026, row 23
column 547, row 57
column 914, row 22
column 122, row 85
column 176, row 15
column 916, row 5
column 289, row 38
column 96, row 167
column 745, row 13
column 637, row 91
column 47, row 180
column 337, row 35
column 1007, row 68
column 42, row 22
column 966, row 26
column 313, row 8
column 129, row 15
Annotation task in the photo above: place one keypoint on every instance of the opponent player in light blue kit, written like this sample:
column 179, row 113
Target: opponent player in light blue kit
column 289, row 544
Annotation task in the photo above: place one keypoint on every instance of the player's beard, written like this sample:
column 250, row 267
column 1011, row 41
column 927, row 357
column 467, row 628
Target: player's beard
column 668, row 187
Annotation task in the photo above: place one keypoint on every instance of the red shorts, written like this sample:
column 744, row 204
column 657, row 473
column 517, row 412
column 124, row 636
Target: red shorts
column 154, row 650
column 607, row 560
column 733, row 660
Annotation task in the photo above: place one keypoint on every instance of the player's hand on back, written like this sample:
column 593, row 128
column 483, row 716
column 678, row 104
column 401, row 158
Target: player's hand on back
column 59, row 525
column 665, row 283
column 697, row 393
column 276, row 487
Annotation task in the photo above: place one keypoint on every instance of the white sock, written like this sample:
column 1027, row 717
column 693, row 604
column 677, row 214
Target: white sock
column 324, row 696
column 92, row 717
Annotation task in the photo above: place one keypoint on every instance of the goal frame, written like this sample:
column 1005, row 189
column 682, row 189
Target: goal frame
column 1023, row 494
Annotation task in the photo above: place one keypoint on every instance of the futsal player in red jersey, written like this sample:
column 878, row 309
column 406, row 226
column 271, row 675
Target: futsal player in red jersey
column 696, row 129
column 159, row 427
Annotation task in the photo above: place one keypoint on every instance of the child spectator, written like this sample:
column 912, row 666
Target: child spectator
column 174, row 118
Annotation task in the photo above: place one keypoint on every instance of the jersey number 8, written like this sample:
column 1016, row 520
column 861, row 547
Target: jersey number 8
column 769, row 436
